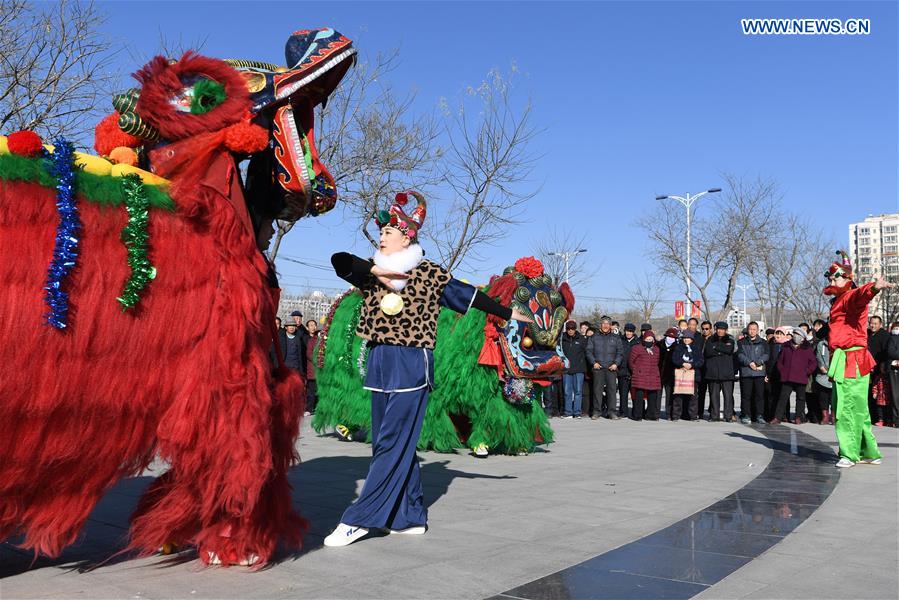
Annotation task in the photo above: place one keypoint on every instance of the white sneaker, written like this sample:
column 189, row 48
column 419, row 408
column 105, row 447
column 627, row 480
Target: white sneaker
column 415, row 530
column 845, row 463
column 870, row 461
column 344, row 535
column 481, row 451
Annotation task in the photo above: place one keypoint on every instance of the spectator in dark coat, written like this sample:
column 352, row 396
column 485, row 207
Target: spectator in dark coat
column 705, row 331
column 629, row 340
column 719, row 371
column 686, row 356
column 795, row 364
column 666, row 367
column 294, row 349
column 605, row 353
column 646, row 382
column 574, row 348
column 311, row 386
column 296, row 318
column 893, row 372
column 752, row 352
column 878, row 340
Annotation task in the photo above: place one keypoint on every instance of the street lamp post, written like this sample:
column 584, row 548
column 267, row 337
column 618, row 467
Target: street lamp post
column 567, row 256
column 744, row 287
column 688, row 202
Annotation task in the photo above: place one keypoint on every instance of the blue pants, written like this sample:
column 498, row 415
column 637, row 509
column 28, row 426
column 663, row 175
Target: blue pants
column 391, row 496
column 574, row 393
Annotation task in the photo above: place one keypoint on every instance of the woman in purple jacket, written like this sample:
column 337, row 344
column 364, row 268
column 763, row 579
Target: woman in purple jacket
column 795, row 364
column 643, row 363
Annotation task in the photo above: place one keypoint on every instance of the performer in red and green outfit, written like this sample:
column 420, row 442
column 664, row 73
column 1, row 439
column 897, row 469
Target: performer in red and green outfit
column 851, row 363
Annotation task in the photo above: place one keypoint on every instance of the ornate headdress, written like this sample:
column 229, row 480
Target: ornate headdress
column 396, row 217
column 840, row 267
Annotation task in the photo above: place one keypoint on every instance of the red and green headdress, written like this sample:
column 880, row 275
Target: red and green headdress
column 396, row 216
column 841, row 266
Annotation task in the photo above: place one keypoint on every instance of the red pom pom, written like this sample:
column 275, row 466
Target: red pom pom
column 25, row 143
column 529, row 266
column 246, row 138
column 108, row 136
column 402, row 198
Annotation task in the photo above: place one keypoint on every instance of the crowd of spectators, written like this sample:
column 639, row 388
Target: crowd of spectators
column 619, row 373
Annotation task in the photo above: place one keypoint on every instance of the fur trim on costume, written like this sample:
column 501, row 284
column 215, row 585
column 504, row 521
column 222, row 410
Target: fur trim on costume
column 401, row 262
column 162, row 81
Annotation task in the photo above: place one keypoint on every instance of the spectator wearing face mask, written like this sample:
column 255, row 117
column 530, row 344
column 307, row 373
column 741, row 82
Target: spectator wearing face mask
column 795, row 363
column 666, row 367
column 719, row 370
column 686, row 356
column 893, row 374
column 823, row 386
column 646, row 382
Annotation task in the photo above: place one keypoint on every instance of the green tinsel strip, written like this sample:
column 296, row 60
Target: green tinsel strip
column 101, row 189
column 135, row 236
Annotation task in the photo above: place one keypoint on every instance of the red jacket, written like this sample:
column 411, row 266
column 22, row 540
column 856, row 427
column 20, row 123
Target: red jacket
column 644, row 367
column 849, row 327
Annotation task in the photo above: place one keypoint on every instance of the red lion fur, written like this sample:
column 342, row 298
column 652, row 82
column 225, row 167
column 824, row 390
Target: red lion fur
column 161, row 81
column 184, row 377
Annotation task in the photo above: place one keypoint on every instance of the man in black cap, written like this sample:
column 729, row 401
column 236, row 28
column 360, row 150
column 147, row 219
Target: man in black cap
column 628, row 341
column 719, row 371
column 302, row 336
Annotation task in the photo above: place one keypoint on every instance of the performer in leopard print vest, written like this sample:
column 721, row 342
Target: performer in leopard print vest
column 402, row 294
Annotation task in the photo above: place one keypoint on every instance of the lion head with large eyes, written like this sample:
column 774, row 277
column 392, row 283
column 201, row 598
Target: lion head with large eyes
column 532, row 351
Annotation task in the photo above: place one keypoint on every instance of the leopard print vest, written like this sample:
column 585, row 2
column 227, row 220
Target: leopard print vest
column 416, row 324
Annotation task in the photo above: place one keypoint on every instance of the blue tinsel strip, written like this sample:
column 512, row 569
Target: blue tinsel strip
column 62, row 166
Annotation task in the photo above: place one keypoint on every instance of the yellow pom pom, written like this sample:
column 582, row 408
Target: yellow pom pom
column 527, row 342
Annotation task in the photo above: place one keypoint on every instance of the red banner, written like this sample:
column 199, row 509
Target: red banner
column 696, row 309
column 679, row 309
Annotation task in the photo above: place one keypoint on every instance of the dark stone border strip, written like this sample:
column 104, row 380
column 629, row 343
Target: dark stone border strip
column 686, row 558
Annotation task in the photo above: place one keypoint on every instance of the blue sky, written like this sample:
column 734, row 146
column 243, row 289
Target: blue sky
column 636, row 99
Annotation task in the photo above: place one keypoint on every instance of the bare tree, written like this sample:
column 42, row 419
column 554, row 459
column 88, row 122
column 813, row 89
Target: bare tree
column 724, row 234
column 53, row 67
column 645, row 295
column 550, row 251
column 488, row 162
column 786, row 270
column 372, row 143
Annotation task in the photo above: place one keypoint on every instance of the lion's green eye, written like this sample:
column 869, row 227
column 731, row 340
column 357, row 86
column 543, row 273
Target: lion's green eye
column 207, row 94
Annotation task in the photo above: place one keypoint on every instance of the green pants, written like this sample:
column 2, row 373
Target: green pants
column 853, row 421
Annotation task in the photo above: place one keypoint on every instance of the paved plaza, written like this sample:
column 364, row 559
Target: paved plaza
column 613, row 509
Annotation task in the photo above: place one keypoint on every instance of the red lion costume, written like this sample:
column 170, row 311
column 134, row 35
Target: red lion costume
column 185, row 374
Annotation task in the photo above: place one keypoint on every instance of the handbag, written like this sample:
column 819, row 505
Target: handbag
column 684, row 382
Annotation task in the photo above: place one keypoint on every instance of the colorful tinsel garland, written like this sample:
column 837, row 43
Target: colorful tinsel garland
column 135, row 236
column 65, row 251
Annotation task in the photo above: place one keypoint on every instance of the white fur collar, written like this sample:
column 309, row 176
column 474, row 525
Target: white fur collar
column 402, row 262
